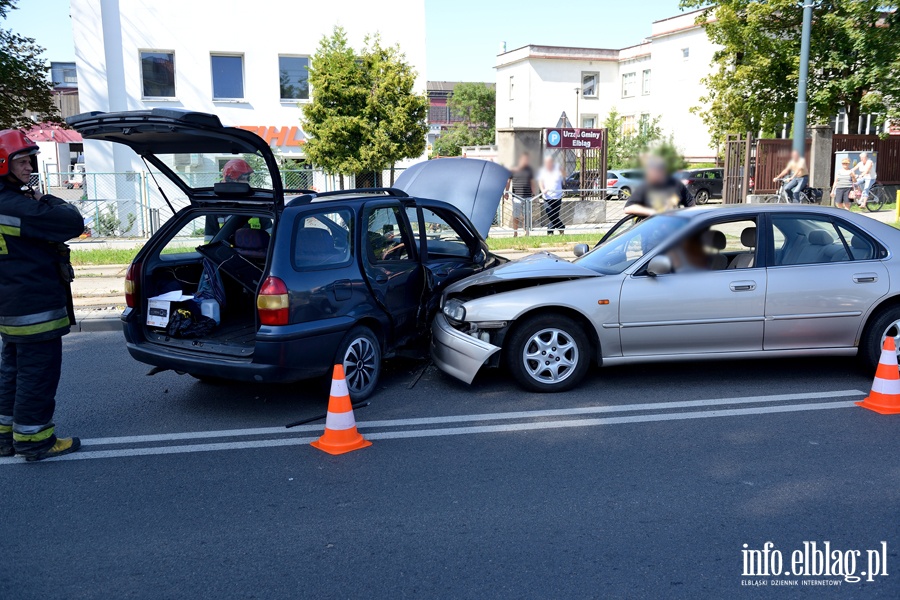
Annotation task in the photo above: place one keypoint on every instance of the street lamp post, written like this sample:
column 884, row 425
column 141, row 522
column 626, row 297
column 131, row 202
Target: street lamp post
column 800, row 106
column 577, row 96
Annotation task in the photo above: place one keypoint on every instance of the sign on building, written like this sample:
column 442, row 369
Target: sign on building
column 565, row 138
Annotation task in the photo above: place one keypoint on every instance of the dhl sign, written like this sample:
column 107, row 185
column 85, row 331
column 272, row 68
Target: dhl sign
column 278, row 136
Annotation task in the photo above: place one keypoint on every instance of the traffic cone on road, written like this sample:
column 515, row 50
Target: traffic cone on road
column 340, row 434
column 885, row 395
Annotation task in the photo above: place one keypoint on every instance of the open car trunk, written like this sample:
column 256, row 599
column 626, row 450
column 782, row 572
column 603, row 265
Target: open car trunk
column 232, row 248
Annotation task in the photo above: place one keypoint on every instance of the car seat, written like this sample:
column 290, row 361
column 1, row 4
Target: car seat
column 745, row 260
column 716, row 240
column 315, row 246
column 252, row 243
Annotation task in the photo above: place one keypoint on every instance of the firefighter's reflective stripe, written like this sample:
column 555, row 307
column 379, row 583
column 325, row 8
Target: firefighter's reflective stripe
column 6, row 420
column 4, row 249
column 9, row 226
column 36, row 323
column 39, row 436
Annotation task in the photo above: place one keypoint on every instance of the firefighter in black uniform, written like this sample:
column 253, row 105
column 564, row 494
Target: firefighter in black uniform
column 35, row 303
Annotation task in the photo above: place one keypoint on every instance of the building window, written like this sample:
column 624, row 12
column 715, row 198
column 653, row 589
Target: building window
column 628, row 83
column 293, row 77
column 645, row 123
column 510, row 122
column 157, row 74
column 628, row 125
column 685, row 53
column 227, row 76
column 645, row 86
column 511, row 87
column 588, row 121
column 589, row 84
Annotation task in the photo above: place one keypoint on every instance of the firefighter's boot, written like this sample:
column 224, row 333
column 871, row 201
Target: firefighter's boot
column 62, row 446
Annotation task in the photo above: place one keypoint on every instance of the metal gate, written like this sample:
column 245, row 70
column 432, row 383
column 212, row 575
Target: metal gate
column 738, row 167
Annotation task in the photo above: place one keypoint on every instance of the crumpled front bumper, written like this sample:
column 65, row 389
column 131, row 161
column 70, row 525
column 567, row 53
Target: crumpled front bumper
column 456, row 353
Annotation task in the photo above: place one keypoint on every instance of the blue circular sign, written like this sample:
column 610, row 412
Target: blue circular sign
column 553, row 138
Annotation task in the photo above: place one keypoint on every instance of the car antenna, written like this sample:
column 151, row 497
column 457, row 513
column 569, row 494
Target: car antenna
column 159, row 187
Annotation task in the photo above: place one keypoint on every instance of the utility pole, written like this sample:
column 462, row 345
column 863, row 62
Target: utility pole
column 800, row 106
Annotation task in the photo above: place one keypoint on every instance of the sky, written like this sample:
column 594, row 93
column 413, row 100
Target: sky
column 463, row 37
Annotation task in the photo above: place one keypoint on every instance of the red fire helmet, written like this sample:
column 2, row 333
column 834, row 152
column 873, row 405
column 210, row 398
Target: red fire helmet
column 13, row 144
column 235, row 169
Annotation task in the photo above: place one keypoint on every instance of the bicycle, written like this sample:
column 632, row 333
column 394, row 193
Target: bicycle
column 878, row 196
column 807, row 195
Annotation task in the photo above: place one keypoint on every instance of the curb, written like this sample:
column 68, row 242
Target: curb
column 93, row 324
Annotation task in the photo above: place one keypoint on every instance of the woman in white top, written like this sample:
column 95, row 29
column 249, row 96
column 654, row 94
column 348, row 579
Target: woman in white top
column 866, row 169
column 844, row 178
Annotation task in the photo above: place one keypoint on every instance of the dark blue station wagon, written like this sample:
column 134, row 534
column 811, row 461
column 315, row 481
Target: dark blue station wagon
column 307, row 279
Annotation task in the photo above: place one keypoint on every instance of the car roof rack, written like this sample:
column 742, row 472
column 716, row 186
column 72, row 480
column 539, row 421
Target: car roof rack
column 310, row 196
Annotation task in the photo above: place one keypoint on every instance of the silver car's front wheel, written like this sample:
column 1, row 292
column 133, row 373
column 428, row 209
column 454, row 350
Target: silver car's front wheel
column 548, row 353
column 550, row 356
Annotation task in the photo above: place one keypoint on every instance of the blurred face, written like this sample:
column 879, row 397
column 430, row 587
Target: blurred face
column 523, row 161
column 655, row 173
column 549, row 164
column 795, row 155
column 845, row 164
column 20, row 168
column 863, row 156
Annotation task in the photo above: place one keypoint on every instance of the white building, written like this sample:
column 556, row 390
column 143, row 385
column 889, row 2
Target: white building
column 660, row 77
column 243, row 61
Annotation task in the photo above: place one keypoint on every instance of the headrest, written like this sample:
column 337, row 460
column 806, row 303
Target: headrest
column 860, row 243
column 748, row 237
column 714, row 239
column 820, row 237
column 251, row 239
column 314, row 239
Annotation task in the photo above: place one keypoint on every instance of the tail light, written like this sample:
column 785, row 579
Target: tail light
column 611, row 182
column 131, row 283
column 687, row 181
column 272, row 302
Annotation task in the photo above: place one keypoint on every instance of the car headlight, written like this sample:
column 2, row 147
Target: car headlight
column 454, row 310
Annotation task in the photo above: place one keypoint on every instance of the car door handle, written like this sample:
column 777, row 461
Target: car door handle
column 743, row 286
column 865, row 278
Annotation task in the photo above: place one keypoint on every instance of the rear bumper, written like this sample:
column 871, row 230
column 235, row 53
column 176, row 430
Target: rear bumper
column 456, row 353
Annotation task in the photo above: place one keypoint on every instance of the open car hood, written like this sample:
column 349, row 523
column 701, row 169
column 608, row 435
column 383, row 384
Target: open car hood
column 524, row 272
column 475, row 187
column 162, row 131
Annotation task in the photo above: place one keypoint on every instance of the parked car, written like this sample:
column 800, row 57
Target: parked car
column 308, row 281
column 748, row 281
column 625, row 181
column 703, row 184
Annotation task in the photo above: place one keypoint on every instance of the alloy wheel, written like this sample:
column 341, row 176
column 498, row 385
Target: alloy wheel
column 893, row 330
column 550, row 356
column 360, row 364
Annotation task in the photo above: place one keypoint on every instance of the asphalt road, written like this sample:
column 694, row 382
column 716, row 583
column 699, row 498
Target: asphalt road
column 644, row 483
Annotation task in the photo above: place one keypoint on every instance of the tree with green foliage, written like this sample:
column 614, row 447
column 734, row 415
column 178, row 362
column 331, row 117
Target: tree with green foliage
column 476, row 103
column 395, row 115
column 364, row 114
column 24, row 86
column 854, row 62
column 624, row 148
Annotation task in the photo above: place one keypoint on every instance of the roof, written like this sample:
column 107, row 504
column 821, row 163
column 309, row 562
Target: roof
column 447, row 86
column 50, row 132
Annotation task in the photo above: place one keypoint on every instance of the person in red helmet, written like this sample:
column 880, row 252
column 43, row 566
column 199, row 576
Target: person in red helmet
column 35, row 304
column 236, row 170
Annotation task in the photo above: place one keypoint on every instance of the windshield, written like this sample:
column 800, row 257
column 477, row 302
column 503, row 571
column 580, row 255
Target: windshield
column 621, row 251
column 203, row 170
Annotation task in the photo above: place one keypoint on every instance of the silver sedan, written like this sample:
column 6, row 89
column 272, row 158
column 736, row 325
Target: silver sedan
column 749, row 281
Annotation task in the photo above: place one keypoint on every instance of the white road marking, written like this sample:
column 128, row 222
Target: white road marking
column 418, row 433
column 528, row 414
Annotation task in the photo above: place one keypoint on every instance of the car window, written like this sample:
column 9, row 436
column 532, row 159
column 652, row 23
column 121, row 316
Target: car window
column 618, row 253
column 721, row 246
column 322, row 239
column 862, row 247
column 386, row 239
column 205, row 229
column 802, row 240
column 440, row 237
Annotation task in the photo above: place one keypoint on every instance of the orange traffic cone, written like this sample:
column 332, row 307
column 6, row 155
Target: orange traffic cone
column 340, row 435
column 885, row 395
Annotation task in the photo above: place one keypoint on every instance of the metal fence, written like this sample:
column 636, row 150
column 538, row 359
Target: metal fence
column 131, row 205
column 578, row 211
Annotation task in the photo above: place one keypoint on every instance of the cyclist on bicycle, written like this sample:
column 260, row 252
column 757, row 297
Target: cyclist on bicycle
column 866, row 169
column 798, row 179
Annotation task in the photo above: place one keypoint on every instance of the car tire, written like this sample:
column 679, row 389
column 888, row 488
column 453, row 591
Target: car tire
column 360, row 354
column 885, row 322
column 624, row 193
column 701, row 197
column 537, row 335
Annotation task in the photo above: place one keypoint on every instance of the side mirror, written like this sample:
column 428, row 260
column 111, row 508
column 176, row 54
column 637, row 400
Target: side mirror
column 659, row 265
column 581, row 249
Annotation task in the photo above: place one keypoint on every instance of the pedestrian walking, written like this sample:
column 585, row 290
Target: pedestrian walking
column 550, row 180
column 844, row 178
column 520, row 189
column 798, row 176
column 866, row 176
column 35, row 305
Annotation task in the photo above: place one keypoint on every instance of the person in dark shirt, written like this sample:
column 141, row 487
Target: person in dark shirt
column 520, row 189
column 660, row 191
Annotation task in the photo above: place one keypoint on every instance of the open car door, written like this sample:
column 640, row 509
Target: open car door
column 191, row 150
column 474, row 187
